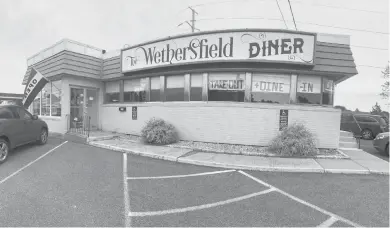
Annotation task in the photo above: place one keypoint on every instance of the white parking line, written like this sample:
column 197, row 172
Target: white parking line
column 180, row 176
column 126, row 192
column 200, row 207
column 30, row 163
column 330, row 221
column 301, row 201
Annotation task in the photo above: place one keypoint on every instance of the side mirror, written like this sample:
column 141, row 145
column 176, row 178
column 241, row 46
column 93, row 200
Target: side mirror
column 34, row 117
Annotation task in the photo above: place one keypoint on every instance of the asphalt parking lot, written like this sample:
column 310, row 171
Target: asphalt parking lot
column 79, row 185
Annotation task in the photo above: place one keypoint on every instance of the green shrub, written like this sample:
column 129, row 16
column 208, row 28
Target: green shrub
column 157, row 131
column 295, row 140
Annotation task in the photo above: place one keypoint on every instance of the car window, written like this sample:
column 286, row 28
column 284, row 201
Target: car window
column 383, row 121
column 346, row 117
column 6, row 113
column 15, row 112
column 365, row 119
column 24, row 114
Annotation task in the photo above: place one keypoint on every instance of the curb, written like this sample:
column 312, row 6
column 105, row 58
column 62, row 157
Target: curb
column 230, row 166
column 252, row 168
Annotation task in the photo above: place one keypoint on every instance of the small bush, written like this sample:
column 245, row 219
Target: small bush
column 157, row 131
column 296, row 140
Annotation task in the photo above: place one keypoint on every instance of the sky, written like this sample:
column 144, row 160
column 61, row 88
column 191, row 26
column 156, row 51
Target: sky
column 27, row 27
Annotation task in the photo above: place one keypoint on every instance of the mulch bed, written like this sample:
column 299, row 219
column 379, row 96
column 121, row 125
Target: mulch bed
column 238, row 149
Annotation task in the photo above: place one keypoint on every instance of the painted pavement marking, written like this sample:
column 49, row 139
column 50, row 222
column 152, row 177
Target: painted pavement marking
column 32, row 162
column 200, row 207
column 180, row 176
column 328, row 222
column 301, row 201
column 126, row 192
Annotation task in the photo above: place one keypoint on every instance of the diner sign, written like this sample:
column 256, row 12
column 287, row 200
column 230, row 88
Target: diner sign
column 232, row 46
column 226, row 84
column 309, row 84
column 271, row 84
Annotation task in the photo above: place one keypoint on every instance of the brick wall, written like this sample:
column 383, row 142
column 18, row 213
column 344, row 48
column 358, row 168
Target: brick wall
column 236, row 123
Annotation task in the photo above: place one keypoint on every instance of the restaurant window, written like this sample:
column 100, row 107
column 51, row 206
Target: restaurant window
column 226, row 87
column 48, row 100
column 56, row 98
column 309, row 90
column 37, row 105
column 196, row 87
column 174, row 89
column 155, row 89
column 328, row 90
column 45, row 100
column 135, row 90
column 268, row 88
column 112, row 92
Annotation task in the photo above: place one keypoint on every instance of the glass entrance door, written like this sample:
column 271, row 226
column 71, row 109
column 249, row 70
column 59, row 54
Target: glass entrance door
column 76, row 109
column 92, row 107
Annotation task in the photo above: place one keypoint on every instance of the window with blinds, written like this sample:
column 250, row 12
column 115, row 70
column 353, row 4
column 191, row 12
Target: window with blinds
column 112, row 92
column 155, row 89
column 174, row 89
column 135, row 90
column 226, row 87
column 271, row 88
column 196, row 87
column 309, row 89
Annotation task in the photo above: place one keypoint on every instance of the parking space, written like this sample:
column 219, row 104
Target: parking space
column 219, row 198
column 78, row 185
column 75, row 185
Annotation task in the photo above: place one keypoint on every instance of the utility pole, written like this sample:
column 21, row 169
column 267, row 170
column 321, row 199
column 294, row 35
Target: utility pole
column 193, row 19
column 192, row 24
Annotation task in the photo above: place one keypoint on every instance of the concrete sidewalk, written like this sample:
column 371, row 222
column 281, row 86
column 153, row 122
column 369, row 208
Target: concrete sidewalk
column 360, row 162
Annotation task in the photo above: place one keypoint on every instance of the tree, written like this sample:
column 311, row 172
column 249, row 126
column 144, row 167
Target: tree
column 386, row 85
column 376, row 109
column 357, row 110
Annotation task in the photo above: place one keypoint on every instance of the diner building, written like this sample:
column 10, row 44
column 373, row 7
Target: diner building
column 230, row 86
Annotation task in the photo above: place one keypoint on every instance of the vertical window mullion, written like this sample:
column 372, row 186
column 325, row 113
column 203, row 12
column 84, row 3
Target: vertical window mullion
column 40, row 103
column 51, row 89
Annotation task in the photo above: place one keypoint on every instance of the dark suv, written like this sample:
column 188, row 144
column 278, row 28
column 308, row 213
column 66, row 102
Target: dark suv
column 365, row 125
column 19, row 127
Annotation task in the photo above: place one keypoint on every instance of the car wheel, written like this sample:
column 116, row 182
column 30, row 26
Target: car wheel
column 4, row 150
column 367, row 134
column 43, row 136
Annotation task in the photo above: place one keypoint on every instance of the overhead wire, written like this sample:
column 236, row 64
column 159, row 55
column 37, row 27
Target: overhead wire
column 277, row 2
column 296, row 1
column 309, row 23
column 339, row 7
column 292, row 15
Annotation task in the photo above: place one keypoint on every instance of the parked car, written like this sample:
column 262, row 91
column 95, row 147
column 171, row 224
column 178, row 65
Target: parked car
column 18, row 127
column 381, row 142
column 365, row 125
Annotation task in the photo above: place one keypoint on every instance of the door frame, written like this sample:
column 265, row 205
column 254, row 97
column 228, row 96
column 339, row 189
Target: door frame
column 84, row 88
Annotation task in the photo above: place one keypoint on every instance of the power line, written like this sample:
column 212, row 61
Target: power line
column 281, row 14
column 338, row 7
column 384, row 49
column 292, row 15
column 371, row 66
column 321, row 25
column 297, row 1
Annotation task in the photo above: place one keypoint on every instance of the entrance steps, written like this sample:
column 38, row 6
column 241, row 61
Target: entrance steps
column 347, row 141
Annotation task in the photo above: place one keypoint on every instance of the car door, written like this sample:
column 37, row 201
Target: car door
column 32, row 126
column 12, row 126
column 367, row 122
